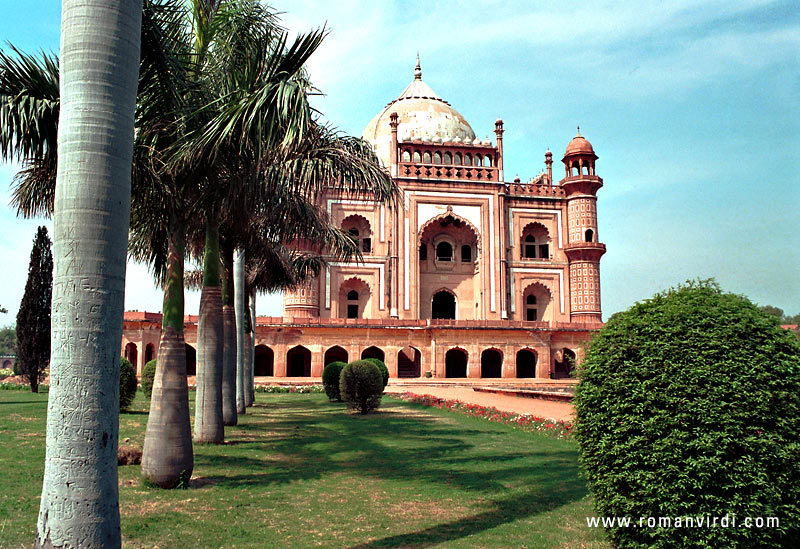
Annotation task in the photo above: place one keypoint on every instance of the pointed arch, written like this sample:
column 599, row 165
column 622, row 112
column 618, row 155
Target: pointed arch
column 335, row 354
column 454, row 219
column 492, row 362
column 263, row 361
column 298, row 362
column 526, row 362
column 535, row 241
column 536, row 302
column 350, row 305
column 409, row 362
column 456, row 361
column 444, row 304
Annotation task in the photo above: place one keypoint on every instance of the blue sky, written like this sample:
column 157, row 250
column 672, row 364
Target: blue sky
column 692, row 107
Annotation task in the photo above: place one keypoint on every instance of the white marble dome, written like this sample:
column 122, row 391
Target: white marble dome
column 421, row 115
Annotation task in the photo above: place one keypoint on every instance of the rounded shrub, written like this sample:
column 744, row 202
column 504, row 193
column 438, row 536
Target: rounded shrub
column 330, row 379
column 689, row 407
column 361, row 385
column 127, row 383
column 148, row 374
column 383, row 369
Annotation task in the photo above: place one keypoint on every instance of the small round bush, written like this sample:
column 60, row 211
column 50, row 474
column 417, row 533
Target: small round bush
column 382, row 367
column 127, row 383
column 689, row 406
column 361, row 385
column 148, row 374
column 330, row 380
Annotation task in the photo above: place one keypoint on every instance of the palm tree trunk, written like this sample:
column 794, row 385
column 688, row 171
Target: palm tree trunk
column 208, row 425
column 167, row 458
column 239, row 299
column 79, row 506
column 252, row 316
column 249, row 389
column 229, row 416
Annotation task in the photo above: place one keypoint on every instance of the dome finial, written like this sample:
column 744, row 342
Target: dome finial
column 579, row 131
column 417, row 70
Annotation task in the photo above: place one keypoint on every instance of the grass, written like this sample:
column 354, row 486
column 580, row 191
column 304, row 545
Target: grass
column 299, row 471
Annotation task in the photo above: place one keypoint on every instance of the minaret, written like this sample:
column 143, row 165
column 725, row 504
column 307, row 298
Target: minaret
column 583, row 247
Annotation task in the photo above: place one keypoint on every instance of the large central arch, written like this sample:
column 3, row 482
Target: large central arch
column 444, row 305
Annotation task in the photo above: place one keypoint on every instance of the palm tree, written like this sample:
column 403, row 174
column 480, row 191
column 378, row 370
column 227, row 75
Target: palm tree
column 99, row 70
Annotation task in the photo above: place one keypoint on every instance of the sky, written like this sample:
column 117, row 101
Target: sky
column 692, row 107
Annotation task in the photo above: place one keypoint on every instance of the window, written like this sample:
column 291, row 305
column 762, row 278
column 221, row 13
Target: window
column 426, row 158
column 417, row 156
column 544, row 251
column 530, row 247
column 423, row 252
column 366, row 245
column 406, row 156
column 466, row 253
column 437, row 158
column 530, row 308
column 448, row 158
column 352, row 304
column 457, row 161
column 468, row 160
column 589, row 235
column 444, row 251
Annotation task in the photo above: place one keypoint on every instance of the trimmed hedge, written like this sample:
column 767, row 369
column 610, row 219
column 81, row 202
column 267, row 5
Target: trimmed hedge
column 330, row 379
column 382, row 367
column 689, row 406
column 127, row 383
column 361, row 385
column 148, row 374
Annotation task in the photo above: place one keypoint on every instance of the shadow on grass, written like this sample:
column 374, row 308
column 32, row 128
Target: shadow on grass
column 295, row 439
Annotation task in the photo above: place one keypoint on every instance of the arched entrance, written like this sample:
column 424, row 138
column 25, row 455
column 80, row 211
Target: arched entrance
column 298, row 362
column 335, row 354
column 491, row 363
column 132, row 353
column 191, row 360
column 526, row 363
column 455, row 363
column 149, row 353
column 443, row 305
column 263, row 361
column 373, row 352
column 408, row 362
column 565, row 366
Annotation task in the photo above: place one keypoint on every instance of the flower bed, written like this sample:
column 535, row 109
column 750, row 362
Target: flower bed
column 525, row 422
column 289, row 389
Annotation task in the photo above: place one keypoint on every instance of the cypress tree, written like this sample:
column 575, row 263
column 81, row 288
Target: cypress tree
column 33, row 318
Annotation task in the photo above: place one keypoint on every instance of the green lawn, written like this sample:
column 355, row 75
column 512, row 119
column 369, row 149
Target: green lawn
column 301, row 472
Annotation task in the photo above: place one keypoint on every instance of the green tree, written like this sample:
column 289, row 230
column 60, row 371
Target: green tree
column 33, row 318
column 8, row 340
column 689, row 405
column 98, row 77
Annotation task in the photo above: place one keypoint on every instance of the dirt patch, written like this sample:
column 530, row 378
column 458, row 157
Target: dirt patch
column 559, row 411
column 17, row 417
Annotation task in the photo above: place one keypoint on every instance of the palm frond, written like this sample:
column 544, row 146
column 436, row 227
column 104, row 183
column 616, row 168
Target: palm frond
column 29, row 105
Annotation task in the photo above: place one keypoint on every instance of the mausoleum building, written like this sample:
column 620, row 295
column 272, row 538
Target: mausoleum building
column 466, row 276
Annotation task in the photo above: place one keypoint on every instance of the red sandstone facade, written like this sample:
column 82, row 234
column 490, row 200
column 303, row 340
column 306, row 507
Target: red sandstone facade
column 467, row 276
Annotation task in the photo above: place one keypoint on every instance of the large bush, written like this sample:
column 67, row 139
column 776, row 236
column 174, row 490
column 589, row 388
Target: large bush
column 383, row 369
column 689, row 406
column 148, row 374
column 361, row 385
column 127, row 383
column 330, row 379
